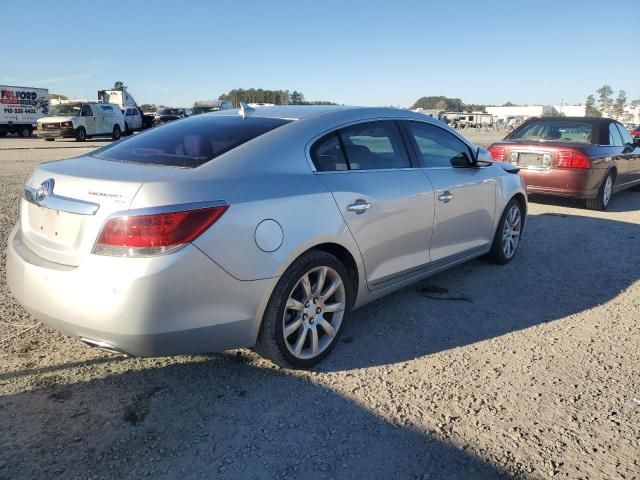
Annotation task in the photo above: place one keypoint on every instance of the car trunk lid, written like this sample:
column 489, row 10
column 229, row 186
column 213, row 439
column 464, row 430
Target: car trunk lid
column 65, row 204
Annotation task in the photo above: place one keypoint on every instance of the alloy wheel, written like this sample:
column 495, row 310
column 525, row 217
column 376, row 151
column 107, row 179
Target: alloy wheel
column 511, row 231
column 313, row 312
column 606, row 191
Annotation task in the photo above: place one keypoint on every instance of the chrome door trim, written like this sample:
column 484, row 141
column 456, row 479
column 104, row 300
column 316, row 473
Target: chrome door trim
column 430, row 268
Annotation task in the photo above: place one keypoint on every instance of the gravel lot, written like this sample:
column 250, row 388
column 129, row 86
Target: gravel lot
column 525, row 371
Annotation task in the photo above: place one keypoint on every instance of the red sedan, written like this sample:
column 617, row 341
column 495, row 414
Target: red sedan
column 580, row 157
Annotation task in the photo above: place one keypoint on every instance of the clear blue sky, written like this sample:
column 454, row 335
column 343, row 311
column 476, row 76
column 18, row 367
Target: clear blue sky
column 352, row 52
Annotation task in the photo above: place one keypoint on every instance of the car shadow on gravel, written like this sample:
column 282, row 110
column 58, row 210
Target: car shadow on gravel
column 625, row 201
column 211, row 417
column 566, row 264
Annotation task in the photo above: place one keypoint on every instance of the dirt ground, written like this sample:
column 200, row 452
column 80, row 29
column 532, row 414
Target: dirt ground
column 529, row 371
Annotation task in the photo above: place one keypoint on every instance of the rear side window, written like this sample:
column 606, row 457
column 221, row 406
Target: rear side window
column 190, row 142
column 614, row 136
column 327, row 154
column 554, row 131
column 438, row 147
column 374, row 146
column 366, row 146
column 627, row 139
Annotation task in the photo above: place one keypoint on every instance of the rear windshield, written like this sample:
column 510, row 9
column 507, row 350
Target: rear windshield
column 170, row 111
column 554, row 131
column 189, row 143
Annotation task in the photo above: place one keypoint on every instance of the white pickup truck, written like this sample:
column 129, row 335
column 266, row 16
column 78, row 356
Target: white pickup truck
column 20, row 109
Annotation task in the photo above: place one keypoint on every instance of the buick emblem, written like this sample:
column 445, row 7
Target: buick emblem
column 45, row 188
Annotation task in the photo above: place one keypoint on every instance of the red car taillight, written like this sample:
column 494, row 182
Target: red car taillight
column 141, row 235
column 496, row 152
column 572, row 159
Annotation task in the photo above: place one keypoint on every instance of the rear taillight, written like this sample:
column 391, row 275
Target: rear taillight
column 572, row 159
column 158, row 233
column 496, row 152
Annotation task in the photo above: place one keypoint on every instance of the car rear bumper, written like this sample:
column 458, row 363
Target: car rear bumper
column 577, row 183
column 165, row 305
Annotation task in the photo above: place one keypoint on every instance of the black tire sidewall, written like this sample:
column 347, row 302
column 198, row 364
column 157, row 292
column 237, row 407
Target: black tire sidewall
column 116, row 133
column 497, row 253
column 272, row 326
column 81, row 134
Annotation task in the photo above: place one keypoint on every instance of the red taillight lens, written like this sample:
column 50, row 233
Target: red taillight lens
column 496, row 152
column 156, row 233
column 572, row 159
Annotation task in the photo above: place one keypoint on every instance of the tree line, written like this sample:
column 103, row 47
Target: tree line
column 607, row 106
column 276, row 97
column 447, row 104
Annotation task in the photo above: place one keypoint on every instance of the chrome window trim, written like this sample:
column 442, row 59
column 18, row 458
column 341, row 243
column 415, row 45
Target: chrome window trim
column 392, row 118
column 177, row 207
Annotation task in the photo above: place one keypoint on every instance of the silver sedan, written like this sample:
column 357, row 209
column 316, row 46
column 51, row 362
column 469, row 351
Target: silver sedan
column 255, row 228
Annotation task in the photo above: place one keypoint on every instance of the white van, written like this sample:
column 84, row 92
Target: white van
column 82, row 120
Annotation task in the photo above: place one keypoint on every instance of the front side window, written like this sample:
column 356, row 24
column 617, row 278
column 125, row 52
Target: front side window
column 374, row 146
column 615, row 139
column 189, row 143
column 86, row 111
column 438, row 147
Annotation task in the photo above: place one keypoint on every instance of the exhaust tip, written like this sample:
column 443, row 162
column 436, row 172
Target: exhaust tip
column 105, row 346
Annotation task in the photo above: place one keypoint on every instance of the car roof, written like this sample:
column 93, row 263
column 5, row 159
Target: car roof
column 591, row 120
column 308, row 112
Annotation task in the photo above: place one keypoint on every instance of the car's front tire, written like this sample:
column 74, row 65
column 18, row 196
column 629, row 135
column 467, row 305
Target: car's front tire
column 601, row 202
column 81, row 134
column 306, row 312
column 507, row 238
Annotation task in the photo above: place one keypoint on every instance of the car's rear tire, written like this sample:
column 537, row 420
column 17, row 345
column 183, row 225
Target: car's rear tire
column 507, row 238
column 25, row 132
column 304, row 319
column 81, row 134
column 116, row 133
column 602, row 200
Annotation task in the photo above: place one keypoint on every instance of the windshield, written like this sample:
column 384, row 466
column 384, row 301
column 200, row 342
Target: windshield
column 170, row 111
column 554, row 131
column 191, row 142
column 65, row 110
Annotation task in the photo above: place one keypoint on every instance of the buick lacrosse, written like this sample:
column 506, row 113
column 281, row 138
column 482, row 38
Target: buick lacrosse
column 255, row 228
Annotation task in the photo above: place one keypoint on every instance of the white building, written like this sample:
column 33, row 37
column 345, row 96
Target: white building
column 571, row 110
column 507, row 113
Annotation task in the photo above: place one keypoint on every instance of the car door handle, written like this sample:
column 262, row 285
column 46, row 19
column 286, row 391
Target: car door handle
column 446, row 197
column 360, row 206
